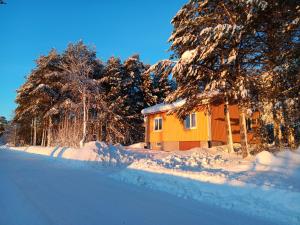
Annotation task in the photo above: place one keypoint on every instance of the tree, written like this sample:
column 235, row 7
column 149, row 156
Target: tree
column 3, row 124
column 211, row 41
column 72, row 97
column 80, row 64
column 115, row 127
column 162, row 84
column 222, row 46
column 279, row 33
column 36, row 97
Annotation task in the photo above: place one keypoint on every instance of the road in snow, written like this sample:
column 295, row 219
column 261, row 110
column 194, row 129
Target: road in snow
column 40, row 190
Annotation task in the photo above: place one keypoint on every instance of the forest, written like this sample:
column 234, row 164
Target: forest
column 73, row 97
column 248, row 51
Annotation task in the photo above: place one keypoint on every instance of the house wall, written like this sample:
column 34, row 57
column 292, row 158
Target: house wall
column 219, row 134
column 174, row 134
column 218, row 124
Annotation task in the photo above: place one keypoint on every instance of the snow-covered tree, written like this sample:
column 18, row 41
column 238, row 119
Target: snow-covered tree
column 162, row 84
column 80, row 64
column 223, row 46
column 211, row 42
column 115, row 127
column 3, row 124
column 35, row 97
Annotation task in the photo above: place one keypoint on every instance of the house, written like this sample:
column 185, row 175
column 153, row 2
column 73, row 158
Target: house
column 205, row 127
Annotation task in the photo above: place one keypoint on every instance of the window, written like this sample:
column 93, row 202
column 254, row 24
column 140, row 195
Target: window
column 158, row 124
column 249, row 124
column 190, row 121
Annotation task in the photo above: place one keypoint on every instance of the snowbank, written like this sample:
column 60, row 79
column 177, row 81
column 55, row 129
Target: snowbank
column 281, row 161
column 99, row 152
column 140, row 145
column 266, row 185
column 266, row 158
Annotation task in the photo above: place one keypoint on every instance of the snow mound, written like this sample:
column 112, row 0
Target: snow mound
column 190, row 162
column 98, row 152
column 110, row 154
column 281, row 161
column 266, row 158
column 255, row 185
column 137, row 145
column 292, row 156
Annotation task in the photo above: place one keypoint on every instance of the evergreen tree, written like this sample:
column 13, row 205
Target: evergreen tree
column 222, row 46
column 35, row 97
column 115, row 126
column 162, row 84
column 211, row 41
column 3, row 124
column 279, row 33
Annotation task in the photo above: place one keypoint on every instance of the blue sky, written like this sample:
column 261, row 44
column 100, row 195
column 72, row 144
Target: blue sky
column 30, row 28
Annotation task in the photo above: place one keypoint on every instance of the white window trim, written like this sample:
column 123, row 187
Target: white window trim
column 191, row 128
column 157, row 118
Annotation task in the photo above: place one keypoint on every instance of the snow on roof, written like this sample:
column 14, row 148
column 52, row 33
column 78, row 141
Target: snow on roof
column 163, row 107
column 169, row 106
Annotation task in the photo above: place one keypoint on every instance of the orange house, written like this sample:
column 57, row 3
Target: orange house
column 205, row 127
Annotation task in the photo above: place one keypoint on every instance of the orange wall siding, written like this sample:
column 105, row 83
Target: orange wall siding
column 219, row 125
column 174, row 130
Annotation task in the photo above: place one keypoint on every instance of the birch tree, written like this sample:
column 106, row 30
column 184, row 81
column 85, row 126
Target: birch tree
column 79, row 64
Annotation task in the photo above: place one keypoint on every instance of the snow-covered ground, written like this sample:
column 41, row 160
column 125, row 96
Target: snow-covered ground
column 265, row 187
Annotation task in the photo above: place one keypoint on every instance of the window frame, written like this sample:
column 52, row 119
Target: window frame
column 249, row 124
column 158, row 119
column 190, row 121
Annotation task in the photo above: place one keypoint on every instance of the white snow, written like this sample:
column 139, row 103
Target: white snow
column 163, row 107
column 265, row 187
column 188, row 56
column 139, row 145
column 232, row 56
column 98, row 152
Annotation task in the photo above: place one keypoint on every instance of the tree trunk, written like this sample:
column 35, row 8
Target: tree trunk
column 228, row 126
column 277, row 128
column 34, row 131
column 291, row 137
column 15, row 135
column 49, row 132
column 84, row 132
column 31, row 132
column 243, row 133
column 43, row 137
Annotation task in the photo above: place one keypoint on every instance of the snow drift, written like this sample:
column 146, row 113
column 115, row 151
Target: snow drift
column 98, row 152
column 267, row 185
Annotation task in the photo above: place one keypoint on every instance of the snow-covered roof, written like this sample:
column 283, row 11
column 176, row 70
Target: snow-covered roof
column 163, row 107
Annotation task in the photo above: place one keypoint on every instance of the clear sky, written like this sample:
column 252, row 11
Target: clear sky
column 30, row 28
